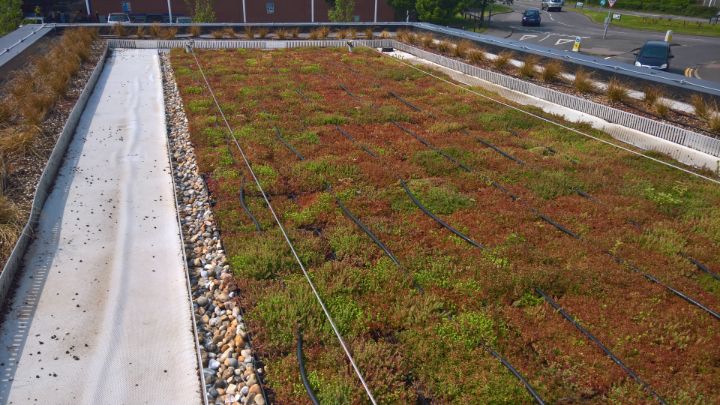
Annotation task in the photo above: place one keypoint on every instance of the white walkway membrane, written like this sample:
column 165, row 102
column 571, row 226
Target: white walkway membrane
column 101, row 312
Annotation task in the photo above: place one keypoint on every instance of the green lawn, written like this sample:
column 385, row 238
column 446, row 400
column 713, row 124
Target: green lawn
column 654, row 24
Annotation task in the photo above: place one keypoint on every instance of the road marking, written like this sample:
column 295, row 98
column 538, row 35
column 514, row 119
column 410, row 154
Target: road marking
column 544, row 38
column 562, row 41
column 527, row 36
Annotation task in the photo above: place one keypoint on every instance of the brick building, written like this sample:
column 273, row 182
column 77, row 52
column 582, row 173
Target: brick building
column 251, row 11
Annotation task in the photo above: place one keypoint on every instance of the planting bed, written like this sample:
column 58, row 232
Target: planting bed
column 333, row 135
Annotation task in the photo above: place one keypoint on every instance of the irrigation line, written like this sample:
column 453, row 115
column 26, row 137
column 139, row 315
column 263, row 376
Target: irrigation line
column 498, row 150
column 407, row 103
column 455, row 161
column 653, row 279
column 555, row 224
column 429, row 145
column 701, row 266
column 367, row 231
column 492, row 182
column 342, row 86
column 516, row 373
column 351, row 139
column 438, row 220
column 243, row 204
column 469, row 89
column 287, row 145
column 301, row 367
column 287, row 238
column 604, row 348
column 584, row 194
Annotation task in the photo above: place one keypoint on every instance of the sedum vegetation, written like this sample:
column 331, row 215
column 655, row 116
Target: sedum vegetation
column 418, row 331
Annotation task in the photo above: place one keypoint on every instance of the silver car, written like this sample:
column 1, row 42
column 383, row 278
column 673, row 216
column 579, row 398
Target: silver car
column 118, row 18
column 552, row 5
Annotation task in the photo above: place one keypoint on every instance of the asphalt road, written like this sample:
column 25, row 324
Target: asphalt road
column 695, row 56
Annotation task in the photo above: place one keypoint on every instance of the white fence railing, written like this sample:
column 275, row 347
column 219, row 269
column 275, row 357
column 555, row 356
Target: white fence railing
column 234, row 44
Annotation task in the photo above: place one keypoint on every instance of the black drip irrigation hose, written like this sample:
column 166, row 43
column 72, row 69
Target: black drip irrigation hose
column 555, row 224
column 287, row 145
column 604, row 348
column 429, row 145
column 516, row 373
column 486, row 143
column 653, row 279
column 351, row 139
column 583, row 193
column 379, row 243
column 701, row 266
column 438, row 220
column 342, row 86
column 367, row 231
column 246, row 208
column 492, row 182
column 498, row 150
column 301, row 367
column 407, row 103
column 303, row 95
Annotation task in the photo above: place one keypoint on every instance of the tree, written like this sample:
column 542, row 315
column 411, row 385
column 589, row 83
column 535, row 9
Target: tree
column 437, row 10
column 341, row 10
column 202, row 10
column 10, row 15
column 402, row 6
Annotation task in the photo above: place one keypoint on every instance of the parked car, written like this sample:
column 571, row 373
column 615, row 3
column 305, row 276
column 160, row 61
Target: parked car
column 552, row 5
column 654, row 55
column 156, row 18
column 118, row 18
column 531, row 17
column 183, row 20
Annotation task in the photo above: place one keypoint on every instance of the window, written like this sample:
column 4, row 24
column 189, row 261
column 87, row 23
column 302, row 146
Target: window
column 270, row 7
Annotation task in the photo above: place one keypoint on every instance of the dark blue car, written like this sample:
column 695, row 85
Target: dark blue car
column 531, row 17
column 654, row 55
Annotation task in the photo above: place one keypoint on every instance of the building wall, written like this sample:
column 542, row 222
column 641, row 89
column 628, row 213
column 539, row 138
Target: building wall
column 231, row 10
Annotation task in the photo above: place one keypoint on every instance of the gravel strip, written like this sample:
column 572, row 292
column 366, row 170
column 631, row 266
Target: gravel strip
column 228, row 363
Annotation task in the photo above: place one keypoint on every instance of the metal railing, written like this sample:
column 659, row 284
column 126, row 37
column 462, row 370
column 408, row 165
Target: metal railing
column 253, row 44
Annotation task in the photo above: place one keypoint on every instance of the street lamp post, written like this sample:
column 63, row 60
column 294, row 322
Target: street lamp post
column 170, row 11
column 375, row 18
